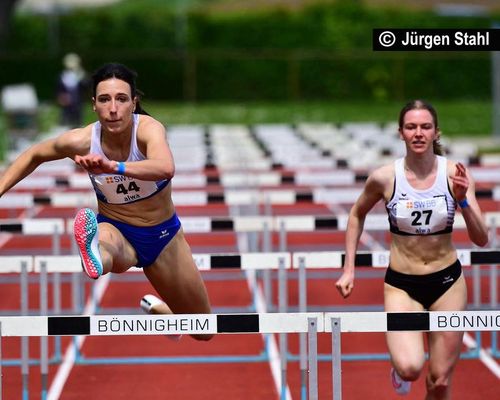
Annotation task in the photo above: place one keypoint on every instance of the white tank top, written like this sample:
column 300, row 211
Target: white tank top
column 119, row 189
column 421, row 212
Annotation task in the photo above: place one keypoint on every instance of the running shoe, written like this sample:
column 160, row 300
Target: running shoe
column 151, row 304
column 86, row 235
column 401, row 386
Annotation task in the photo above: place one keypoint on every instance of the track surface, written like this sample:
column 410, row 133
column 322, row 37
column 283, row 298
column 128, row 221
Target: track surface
column 215, row 380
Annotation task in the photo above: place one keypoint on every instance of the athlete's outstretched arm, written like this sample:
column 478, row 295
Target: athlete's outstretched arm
column 372, row 193
column 66, row 145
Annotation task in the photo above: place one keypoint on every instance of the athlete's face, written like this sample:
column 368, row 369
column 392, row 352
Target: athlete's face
column 419, row 131
column 114, row 105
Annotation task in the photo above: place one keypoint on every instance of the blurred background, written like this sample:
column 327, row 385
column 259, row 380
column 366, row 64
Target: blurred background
column 216, row 61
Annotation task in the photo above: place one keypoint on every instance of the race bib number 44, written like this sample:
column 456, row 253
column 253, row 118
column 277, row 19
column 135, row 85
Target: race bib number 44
column 119, row 189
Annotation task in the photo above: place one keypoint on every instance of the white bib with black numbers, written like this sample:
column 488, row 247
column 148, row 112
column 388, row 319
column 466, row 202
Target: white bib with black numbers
column 422, row 217
column 119, row 189
column 421, row 212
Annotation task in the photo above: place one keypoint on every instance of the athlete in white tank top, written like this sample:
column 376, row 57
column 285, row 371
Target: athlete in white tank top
column 116, row 188
column 421, row 212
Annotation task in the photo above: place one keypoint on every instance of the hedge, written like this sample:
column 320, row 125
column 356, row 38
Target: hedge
column 321, row 52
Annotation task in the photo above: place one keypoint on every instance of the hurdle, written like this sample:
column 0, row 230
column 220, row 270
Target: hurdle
column 19, row 265
column 245, row 261
column 380, row 259
column 269, row 260
column 265, row 262
column 174, row 324
column 237, row 224
column 428, row 321
column 258, row 261
column 317, row 195
column 310, row 323
column 301, row 177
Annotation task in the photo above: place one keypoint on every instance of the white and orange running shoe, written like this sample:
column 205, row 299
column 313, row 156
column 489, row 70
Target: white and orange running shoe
column 151, row 304
column 86, row 232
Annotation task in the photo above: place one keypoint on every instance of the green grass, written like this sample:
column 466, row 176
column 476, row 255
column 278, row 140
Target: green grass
column 460, row 118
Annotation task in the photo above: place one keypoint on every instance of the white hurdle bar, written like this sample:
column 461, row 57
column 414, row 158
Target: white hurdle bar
column 104, row 325
column 280, row 261
column 228, row 197
column 254, row 223
column 312, row 323
column 266, row 261
column 268, row 179
column 171, row 324
column 427, row 321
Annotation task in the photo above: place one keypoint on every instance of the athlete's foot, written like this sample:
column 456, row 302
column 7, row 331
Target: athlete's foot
column 151, row 304
column 401, row 386
column 86, row 236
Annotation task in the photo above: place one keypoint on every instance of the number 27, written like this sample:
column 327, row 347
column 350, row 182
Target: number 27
column 418, row 216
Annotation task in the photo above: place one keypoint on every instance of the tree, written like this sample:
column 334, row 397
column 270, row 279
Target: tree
column 7, row 8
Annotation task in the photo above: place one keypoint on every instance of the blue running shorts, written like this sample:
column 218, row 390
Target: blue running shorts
column 147, row 241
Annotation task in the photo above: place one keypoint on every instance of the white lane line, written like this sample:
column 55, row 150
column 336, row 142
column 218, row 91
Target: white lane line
column 69, row 358
column 484, row 356
column 260, row 306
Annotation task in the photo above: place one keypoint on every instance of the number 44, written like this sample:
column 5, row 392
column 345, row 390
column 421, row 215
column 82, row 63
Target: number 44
column 132, row 187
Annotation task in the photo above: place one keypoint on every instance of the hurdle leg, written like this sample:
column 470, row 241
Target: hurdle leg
column 77, row 285
column 57, row 307
column 476, row 286
column 44, row 368
column 283, row 339
column 283, row 307
column 336, row 360
column 302, row 335
column 266, row 275
column 25, row 355
column 494, row 305
column 493, row 286
column 313, row 358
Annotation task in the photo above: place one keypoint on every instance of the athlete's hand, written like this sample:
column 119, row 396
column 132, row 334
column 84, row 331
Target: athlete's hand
column 460, row 182
column 96, row 164
column 345, row 284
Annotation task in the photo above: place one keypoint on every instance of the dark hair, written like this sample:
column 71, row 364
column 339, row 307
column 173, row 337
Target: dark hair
column 118, row 71
column 422, row 105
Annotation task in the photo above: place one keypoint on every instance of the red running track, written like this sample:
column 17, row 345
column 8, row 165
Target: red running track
column 236, row 381
column 250, row 380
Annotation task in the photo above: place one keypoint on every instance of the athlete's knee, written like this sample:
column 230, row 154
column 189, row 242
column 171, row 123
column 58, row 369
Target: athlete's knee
column 409, row 371
column 437, row 383
column 409, row 368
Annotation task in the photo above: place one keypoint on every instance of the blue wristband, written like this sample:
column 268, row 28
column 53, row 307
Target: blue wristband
column 463, row 203
column 121, row 167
